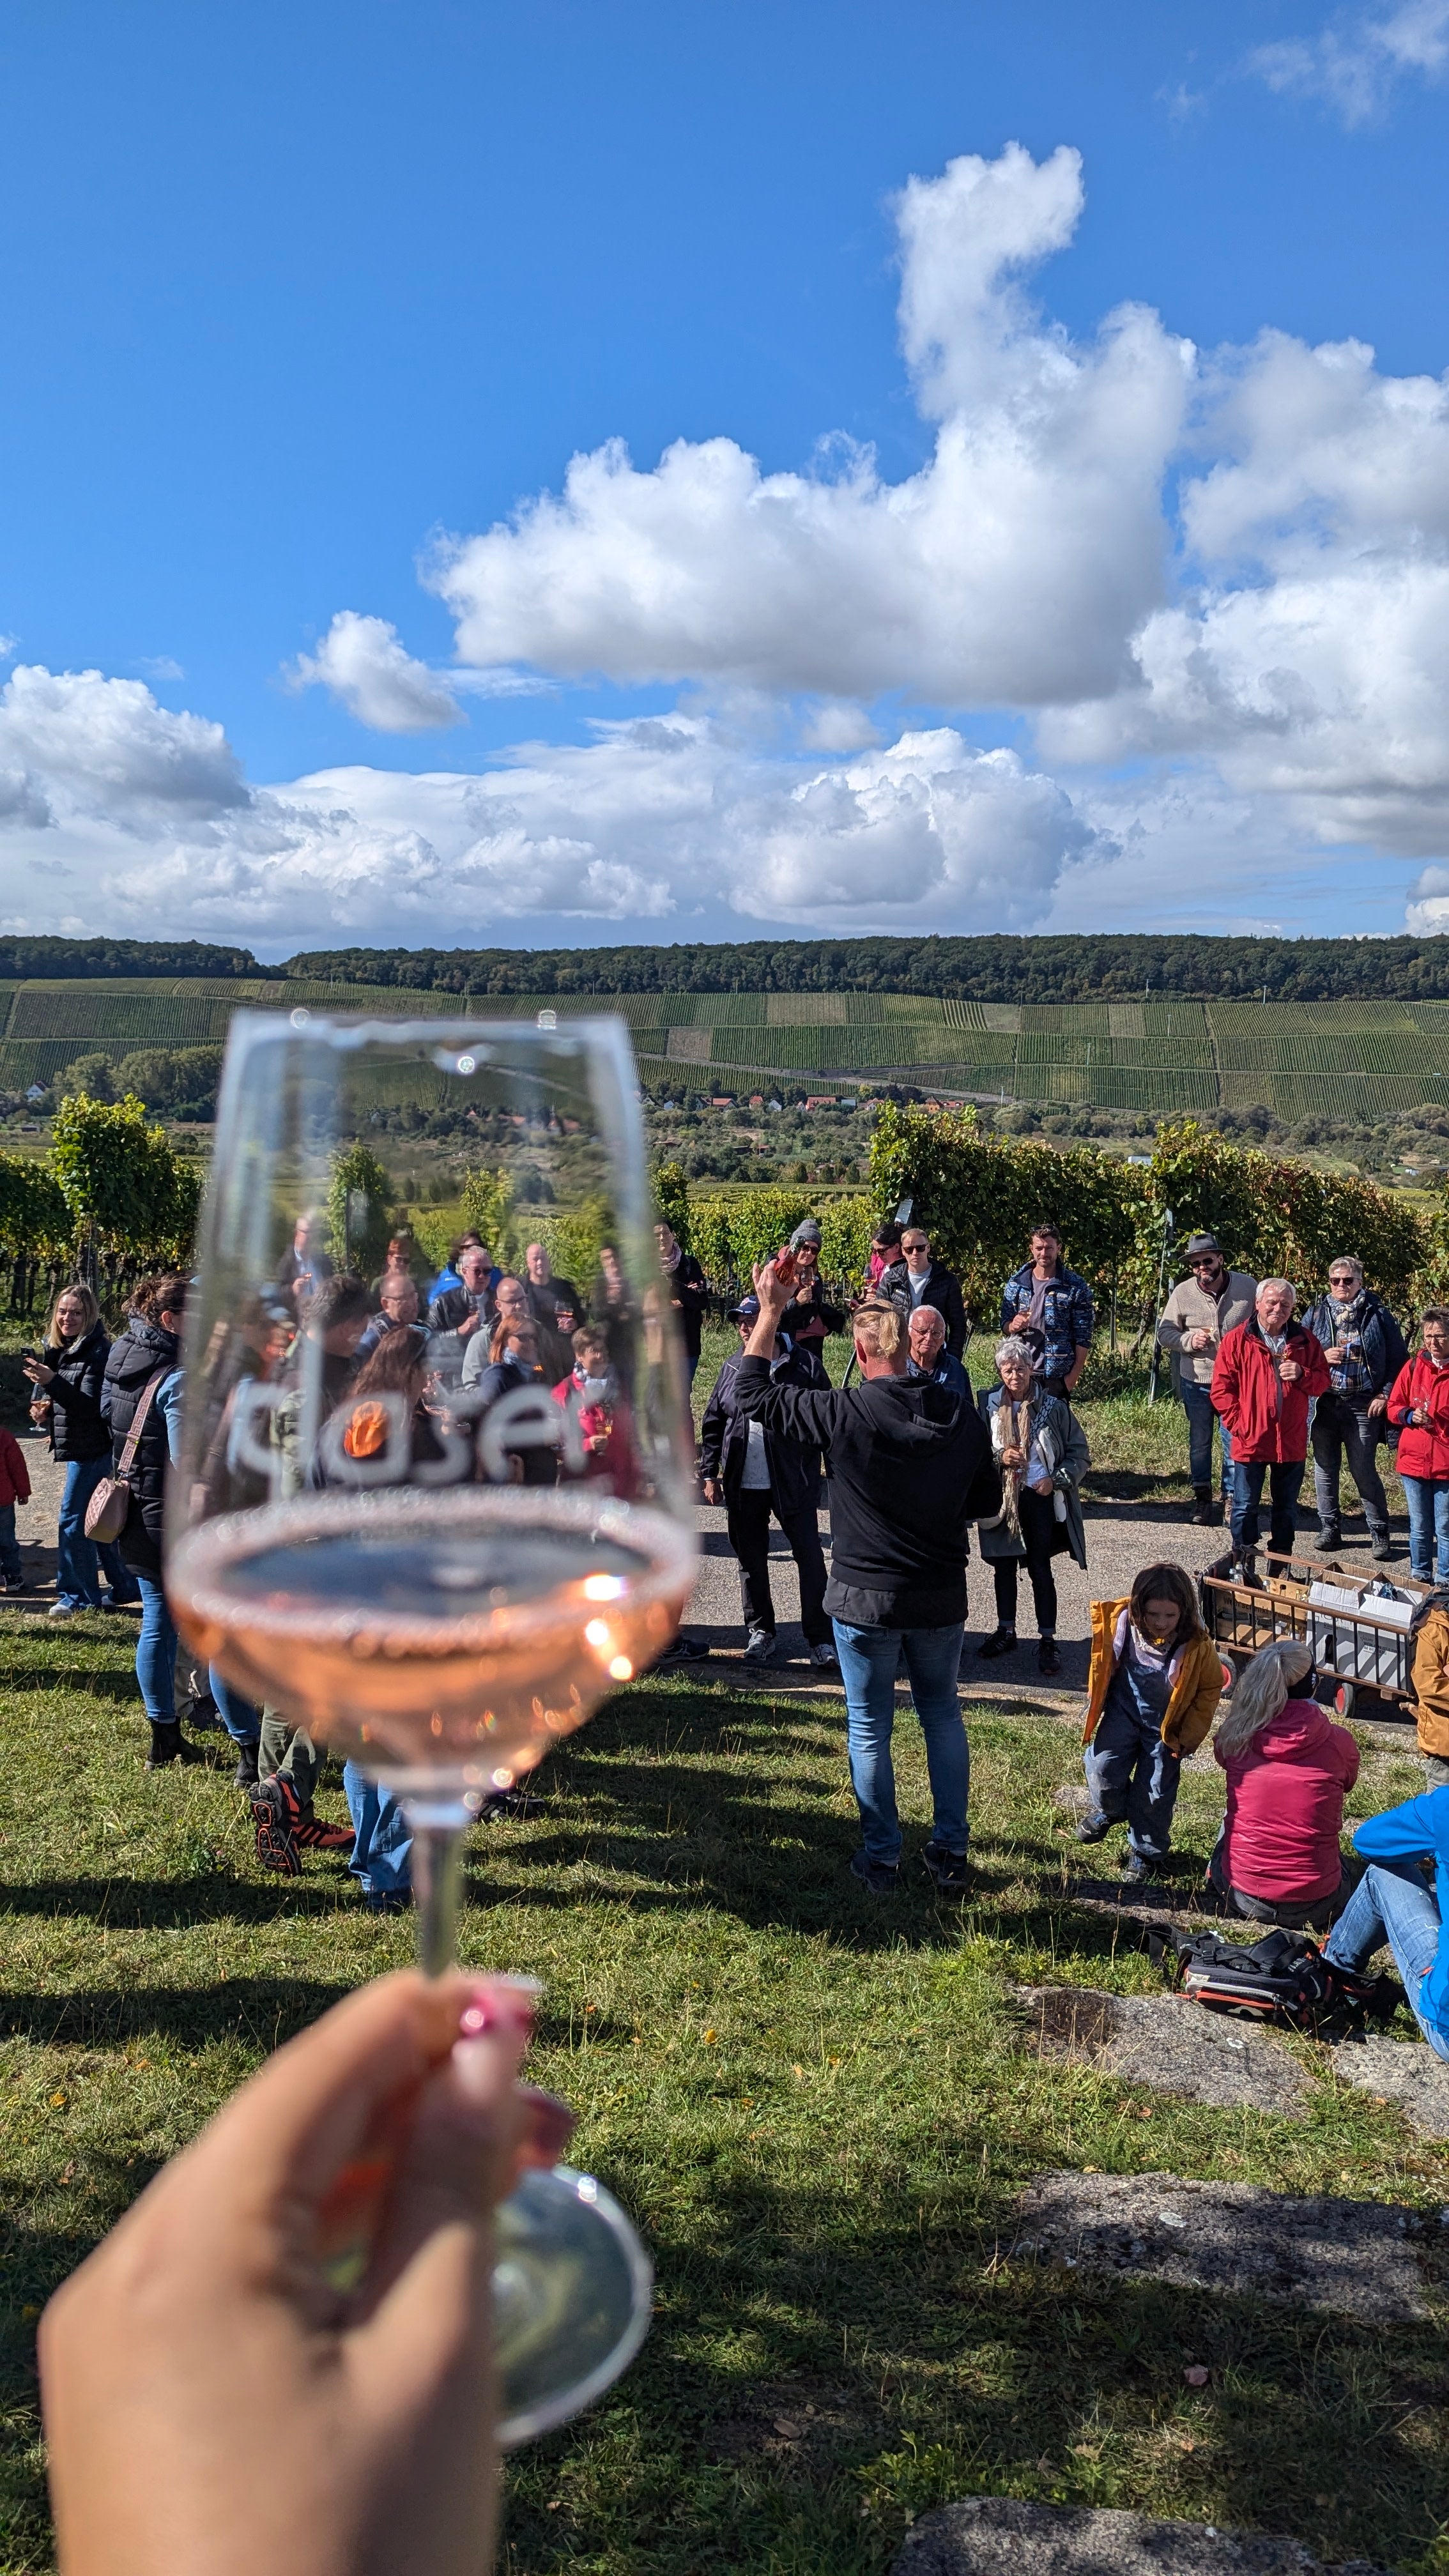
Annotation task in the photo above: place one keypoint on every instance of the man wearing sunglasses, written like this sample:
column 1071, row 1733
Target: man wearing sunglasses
column 919, row 1279
column 1210, row 1302
column 1365, row 1351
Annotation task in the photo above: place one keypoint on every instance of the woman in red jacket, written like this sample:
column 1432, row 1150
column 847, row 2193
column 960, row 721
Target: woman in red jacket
column 1419, row 1411
column 1267, row 1372
column 1288, row 1769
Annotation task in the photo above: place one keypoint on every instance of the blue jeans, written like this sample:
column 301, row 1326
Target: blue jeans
column 1283, row 1484
column 242, row 1721
column 868, row 1659
column 10, row 1565
column 78, row 1558
column 1197, row 1404
column 1131, row 1773
column 1393, row 1902
column 382, row 1853
column 156, row 1653
column 1428, row 1528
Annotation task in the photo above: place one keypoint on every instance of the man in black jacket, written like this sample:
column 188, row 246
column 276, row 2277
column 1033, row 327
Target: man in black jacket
column 923, row 1281
column 754, row 1472
column 910, row 1467
column 468, row 1308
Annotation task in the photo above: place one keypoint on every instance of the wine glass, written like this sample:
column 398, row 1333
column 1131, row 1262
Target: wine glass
column 438, row 1559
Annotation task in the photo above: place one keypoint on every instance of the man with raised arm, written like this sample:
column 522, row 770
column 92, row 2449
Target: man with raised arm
column 910, row 1467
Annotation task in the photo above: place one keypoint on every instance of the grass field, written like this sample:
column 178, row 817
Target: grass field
column 1358, row 1061
column 817, row 2108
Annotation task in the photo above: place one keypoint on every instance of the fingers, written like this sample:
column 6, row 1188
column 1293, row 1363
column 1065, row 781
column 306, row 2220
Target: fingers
column 328, row 2094
column 465, row 2142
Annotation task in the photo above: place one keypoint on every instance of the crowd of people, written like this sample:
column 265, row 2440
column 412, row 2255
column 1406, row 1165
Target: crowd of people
column 913, row 1460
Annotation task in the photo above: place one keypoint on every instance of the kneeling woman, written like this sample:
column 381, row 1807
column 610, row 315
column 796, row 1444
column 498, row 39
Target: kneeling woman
column 1152, row 1693
column 1041, row 1449
column 1288, row 1769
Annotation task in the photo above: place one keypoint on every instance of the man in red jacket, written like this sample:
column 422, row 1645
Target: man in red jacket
column 1267, row 1372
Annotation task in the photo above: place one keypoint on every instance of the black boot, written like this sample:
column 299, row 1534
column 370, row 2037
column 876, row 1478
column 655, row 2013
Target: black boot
column 168, row 1744
column 1202, row 1513
column 245, row 1774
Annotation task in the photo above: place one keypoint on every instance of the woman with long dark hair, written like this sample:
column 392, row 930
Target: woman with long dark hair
column 1152, row 1691
column 67, row 1379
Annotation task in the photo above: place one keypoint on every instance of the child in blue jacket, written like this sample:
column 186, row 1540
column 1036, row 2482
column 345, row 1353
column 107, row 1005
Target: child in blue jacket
column 1395, row 1902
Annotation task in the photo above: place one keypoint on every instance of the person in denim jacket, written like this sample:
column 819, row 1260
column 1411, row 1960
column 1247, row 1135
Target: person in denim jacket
column 1057, row 1301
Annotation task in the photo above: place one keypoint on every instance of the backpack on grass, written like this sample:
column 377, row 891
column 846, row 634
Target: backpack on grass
column 1283, row 1978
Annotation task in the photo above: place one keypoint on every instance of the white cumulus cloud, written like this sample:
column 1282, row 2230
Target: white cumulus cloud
column 85, row 744
column 1014, row 566
column 372, row 675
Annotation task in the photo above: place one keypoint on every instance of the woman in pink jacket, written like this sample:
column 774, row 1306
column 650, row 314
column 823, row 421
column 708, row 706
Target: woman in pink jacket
column 1419, row 1412
column 1288, row 1771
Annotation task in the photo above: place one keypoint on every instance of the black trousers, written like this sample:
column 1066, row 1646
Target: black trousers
column 1039, row 1529
column 748, row 1521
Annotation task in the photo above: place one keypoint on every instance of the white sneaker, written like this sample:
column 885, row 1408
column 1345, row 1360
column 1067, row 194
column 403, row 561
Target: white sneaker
column 60, row 1610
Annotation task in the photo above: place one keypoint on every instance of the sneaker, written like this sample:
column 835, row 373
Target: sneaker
column 1383, row 1547
column 824, row 1657
column 950, row 1871
column 120, row 1600
column 1048, row 1659
column 1004, row 1642
column 310, row 1834
column 1135, row 1869
column 1094, row 1829
column 274, row 1812
column 762, row 1647
column 19, row 1585
column 60, row 1610
column 881, row 1877
column 685, row 1650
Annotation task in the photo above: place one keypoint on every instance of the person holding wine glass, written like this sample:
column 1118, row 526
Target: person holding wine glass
column 214, row 2305
column 441, row 1610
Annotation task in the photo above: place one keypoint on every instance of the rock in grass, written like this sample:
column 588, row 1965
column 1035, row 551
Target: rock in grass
column 1398, row 2070
column 1168, row 2043
column 1359, row 2258
column 997, row 2536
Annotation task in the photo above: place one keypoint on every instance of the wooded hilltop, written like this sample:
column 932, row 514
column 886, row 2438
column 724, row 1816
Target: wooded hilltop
column 991, row 969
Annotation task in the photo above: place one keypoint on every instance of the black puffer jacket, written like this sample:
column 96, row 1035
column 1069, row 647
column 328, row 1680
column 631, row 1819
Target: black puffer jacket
column 77, row 1426
column 141, row 1350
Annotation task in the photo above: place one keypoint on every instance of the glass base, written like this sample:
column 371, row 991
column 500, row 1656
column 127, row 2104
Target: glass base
column 572, row 2289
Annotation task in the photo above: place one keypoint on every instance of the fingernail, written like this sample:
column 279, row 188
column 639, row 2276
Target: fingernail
column 500, row 2003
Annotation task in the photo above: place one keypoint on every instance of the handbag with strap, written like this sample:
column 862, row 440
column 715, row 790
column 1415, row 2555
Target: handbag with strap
column 111, row 1501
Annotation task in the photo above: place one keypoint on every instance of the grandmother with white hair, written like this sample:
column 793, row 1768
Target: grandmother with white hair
column 1042, row 1452
column 1267, row 1374
column 1288, row 1771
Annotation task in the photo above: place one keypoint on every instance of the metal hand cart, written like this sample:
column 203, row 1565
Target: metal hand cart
column 1356, row 1625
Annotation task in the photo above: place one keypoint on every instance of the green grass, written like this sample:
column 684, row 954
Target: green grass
column 816, row 2107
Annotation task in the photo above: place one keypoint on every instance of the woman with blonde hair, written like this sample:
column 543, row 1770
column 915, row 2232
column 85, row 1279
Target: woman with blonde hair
column 66, row 1382
column 1288, row 1770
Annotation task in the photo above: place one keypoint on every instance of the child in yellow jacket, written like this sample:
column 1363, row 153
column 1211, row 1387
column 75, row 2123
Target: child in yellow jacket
column 1153, row 1687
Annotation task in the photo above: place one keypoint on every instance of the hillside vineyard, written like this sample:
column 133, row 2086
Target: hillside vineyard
column 1355, row 1060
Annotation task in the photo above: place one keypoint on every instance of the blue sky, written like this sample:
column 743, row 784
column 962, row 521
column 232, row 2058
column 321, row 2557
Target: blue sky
column 296, row 296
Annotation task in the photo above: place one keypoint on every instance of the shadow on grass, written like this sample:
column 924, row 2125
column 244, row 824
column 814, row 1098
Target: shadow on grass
column 827, row 2368
column 265, row 2010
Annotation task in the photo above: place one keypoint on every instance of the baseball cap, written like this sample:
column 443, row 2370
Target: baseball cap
column 745, row 1312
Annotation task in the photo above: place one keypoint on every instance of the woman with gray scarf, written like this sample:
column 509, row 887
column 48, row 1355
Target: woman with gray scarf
column 1042, row 1452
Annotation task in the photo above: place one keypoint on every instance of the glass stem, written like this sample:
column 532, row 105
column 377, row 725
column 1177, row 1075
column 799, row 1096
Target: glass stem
column 437, row 1859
